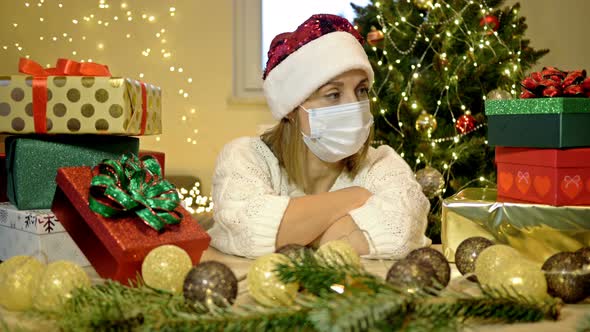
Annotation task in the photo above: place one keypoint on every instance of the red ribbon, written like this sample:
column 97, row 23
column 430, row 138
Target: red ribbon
column 552, row 82
column 64, row 67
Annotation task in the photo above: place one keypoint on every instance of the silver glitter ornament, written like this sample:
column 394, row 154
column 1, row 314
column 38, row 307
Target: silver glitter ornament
column 431, row 180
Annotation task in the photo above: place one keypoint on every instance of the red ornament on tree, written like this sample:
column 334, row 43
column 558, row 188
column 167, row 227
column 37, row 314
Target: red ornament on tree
column 492, row 22
column 375, row 37
column 465, row 123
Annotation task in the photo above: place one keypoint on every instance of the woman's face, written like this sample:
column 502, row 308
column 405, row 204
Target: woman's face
column 348, row 87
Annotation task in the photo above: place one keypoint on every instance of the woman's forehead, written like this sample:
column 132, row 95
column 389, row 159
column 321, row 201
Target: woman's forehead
column 352, row 74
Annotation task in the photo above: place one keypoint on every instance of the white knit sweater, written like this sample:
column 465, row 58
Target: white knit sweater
column 251, row 193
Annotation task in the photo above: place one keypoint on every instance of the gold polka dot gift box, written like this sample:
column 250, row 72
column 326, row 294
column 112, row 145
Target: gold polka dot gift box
column 77, row 98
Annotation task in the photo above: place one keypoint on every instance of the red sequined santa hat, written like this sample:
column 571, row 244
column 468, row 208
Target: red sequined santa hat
column 300, row 62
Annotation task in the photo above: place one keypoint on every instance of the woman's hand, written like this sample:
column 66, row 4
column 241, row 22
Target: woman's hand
column 346, row 229
column 308, row 217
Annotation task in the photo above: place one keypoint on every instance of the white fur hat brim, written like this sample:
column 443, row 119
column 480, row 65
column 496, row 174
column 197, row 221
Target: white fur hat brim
column 300, row 74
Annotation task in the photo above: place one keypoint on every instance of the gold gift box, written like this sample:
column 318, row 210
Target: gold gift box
column 81, row 105
column 537, row 231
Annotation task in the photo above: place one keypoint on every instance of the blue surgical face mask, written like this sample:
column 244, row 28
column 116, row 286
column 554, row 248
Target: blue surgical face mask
column 337, row 132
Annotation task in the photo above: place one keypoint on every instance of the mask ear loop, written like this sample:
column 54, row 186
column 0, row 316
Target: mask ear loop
column 302, row 133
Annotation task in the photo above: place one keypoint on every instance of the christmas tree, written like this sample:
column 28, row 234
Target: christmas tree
column 436, row 62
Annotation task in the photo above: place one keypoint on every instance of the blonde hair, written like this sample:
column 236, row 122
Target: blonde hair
column 286, row 142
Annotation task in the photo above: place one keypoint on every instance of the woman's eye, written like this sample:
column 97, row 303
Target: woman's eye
column 333, row 95
column 363, row 91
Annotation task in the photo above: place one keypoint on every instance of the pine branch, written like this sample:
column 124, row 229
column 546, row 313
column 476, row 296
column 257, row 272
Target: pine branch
column 500, row 307
column 237, row 319
column 358, row 301
column 317, row 275
column 584, row 324
column 368, row 300
column 113, row 307
column 357, row 311
column 3, row 324
column 444, row 324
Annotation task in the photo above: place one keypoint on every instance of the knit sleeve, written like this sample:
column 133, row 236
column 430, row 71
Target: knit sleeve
column 395, row 217
column 247, row 210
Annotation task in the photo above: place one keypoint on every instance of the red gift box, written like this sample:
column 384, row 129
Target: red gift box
column 547, row 176
column 3, row 175
column 116, row 247
column 160, row 156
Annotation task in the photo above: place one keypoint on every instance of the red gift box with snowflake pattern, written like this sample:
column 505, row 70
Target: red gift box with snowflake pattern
column 546, row 176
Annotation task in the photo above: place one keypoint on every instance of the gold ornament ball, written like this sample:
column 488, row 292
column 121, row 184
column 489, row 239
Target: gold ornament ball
column 497, row 94
column 375, row 37
column 521, row 277
column 423, row 4
column 339, row 252
column 57, row 283
column 431, row 180
column 19, row 277
column 492, row 260
column 166, row 267
column 264, row 284
column 426, row 123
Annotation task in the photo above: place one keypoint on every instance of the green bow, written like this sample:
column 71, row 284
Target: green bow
column 133, row 184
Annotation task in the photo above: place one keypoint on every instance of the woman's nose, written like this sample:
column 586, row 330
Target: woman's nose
column 350, row 97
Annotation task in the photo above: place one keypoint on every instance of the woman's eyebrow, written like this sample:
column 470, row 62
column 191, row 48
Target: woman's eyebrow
column 337, row 83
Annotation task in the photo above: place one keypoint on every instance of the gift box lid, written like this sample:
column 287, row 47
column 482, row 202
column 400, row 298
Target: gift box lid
column 559, row 158
column 537, row 106
column 127, row 238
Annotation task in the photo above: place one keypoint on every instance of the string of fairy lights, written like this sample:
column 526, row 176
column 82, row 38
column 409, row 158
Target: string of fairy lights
column 122, row 21
column 475, row 41
column 128, row 20
column 193, row 201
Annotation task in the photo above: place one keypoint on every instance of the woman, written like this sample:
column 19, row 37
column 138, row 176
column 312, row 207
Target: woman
column 314, row 177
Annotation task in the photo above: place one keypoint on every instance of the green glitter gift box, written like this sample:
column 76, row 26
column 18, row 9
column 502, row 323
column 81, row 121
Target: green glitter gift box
column 32, row 162
column 539, row 122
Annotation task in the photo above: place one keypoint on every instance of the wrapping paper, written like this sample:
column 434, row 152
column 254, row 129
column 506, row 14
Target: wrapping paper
column 537, row 231
column 32, row 162
column 547, row 122
column 537, row 106
column 82, row 105
column 38, row 233
column 546, row 176
column 116, row 247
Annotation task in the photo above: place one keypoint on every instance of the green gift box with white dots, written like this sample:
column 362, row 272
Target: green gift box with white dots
column 81, row 105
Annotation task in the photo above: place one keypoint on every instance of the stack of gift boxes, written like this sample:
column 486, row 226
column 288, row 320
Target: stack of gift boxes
column 62, row 122
column 542, row 202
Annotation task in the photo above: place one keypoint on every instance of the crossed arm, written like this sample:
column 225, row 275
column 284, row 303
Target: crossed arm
column 317, row 219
